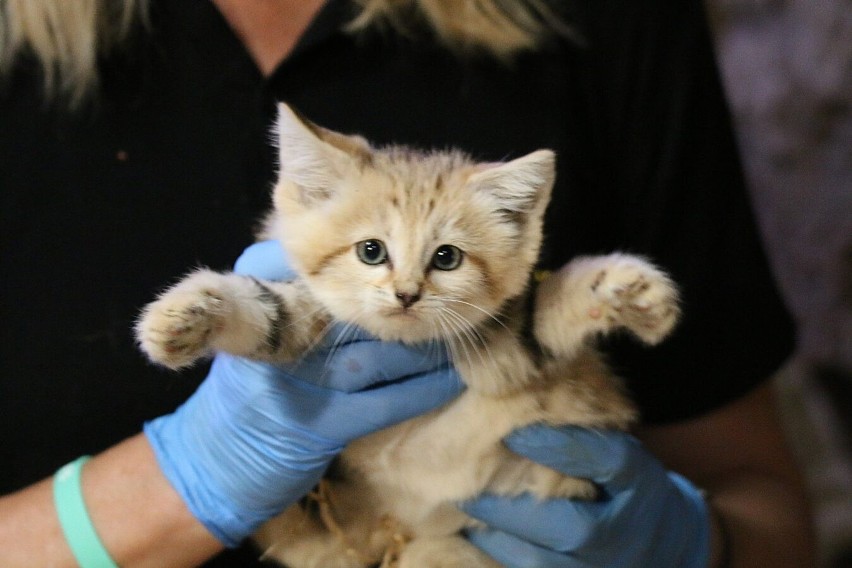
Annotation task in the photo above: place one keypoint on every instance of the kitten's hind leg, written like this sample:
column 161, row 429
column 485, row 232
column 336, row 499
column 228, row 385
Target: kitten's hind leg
column 209, row 311
column 599, row 294
column 444, row 552
column 298, row 539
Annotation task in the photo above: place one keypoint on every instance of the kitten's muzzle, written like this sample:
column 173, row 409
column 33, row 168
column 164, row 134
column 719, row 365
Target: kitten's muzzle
column 407, row 300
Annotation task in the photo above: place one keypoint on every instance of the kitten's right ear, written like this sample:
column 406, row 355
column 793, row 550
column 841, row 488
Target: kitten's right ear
column 520, row 186
column 312, row 158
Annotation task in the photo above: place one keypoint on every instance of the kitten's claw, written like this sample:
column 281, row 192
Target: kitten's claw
column 175, row 330
column 632, row 293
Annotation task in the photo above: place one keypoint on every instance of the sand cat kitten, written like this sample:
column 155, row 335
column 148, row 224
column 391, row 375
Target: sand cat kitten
column 414, row 247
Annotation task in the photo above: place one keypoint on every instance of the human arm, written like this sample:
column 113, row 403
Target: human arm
column 736, row 454
column 251, row 440
column 739, row 456
column 138, row 515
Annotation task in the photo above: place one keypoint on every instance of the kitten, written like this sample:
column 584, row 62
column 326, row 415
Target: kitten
column 419, row 247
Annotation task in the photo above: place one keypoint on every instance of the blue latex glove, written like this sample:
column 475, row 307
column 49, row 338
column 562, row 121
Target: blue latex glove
column 265, row 260
column 254, row 438
column 646, row 516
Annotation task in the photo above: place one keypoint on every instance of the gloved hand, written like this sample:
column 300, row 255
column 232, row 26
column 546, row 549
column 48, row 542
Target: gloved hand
column 646, row 516
column 255, row 438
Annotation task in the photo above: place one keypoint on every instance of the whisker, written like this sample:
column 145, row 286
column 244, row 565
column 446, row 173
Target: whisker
column 474, row 306
column 435, row 345
column 474, row 338
column 345, row 331
column 454, row 341
column 467, row 335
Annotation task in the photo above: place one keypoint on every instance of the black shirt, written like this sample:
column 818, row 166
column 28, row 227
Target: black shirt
column 170, row 167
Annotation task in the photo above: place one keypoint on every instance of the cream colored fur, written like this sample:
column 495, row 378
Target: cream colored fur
column 391, row 500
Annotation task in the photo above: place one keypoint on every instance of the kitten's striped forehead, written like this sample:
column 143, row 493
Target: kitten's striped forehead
column 413, row 171
column 421, row 186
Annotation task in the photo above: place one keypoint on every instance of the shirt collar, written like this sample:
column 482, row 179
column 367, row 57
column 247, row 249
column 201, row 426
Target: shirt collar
column 330, row 21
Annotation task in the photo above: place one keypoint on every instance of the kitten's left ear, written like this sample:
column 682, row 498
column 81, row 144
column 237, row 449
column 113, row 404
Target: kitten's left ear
column 522, row 185
column 313, row 158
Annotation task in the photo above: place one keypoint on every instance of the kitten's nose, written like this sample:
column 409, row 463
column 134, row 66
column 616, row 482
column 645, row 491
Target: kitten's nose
column 406, row 299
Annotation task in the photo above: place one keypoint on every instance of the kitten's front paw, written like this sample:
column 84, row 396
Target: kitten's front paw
column 176, row 329
column 630, row 292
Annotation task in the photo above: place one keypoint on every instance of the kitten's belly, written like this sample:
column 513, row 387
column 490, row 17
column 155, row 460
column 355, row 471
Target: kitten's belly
column 446, row 456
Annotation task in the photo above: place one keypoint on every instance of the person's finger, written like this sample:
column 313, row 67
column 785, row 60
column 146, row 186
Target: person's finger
column 363, row 362
column 562, row 525
column 609, row 458
column 331, row 414
column 395, row 402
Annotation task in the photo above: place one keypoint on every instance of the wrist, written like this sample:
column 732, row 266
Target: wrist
column 77, row 527
column 229, row 459
column 201, row 494
column 124, row 483
column 694, row 525
column 720, row 540
column 232, row 496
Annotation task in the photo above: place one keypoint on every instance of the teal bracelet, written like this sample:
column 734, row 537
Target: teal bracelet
column 76, row 524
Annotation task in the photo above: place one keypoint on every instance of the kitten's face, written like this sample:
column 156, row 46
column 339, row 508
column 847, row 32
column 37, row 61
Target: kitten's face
column 408, row 246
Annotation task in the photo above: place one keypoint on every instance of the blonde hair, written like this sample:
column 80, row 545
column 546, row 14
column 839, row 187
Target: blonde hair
column 499, row 27
column 66, row 37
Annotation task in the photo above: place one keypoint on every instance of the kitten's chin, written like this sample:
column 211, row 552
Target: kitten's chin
column 400, row 326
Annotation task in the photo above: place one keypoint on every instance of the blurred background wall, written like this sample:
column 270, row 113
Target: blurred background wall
column 787, row 66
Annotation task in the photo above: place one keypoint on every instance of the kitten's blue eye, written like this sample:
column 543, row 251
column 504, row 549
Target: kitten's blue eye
column 372, row 251
column 447, row 257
